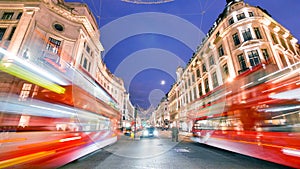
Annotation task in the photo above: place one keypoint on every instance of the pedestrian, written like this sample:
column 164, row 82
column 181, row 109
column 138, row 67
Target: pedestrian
column 175, row 132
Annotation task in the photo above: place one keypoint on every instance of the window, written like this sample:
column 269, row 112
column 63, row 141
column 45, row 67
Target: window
column 11, row 33
column 253, row 58
column 274, row 38
column 206, row 85
column 2, row 32
column 230, row 21
column 283, row 43
column 221, row 51
column 88, row 49
column 198, row 73
column 85, row 63
column 58, row 27
column 195, row 93
column 193, row 77
column 250, row 14
column 257, row 33
column 236, row 39
column 247, row 34
column 7, row 15
column 25, row 92
column 204, row 68
column 215, row 79
column 225, row 72
column 266, row 55
column 291, row 47
column 211, row 60
column 240, row 16
column 53, row 45
column 89, row 68
column 20, row 15
column 282, row 58
column 189, row 82
column 200, row 89
column 81, row 59
column 242, row 62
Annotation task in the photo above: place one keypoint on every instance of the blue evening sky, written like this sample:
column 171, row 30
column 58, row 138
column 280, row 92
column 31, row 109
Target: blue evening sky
column 145, row 43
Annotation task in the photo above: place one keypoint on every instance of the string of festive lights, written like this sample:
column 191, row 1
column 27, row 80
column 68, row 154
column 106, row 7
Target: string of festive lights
column 147, row 1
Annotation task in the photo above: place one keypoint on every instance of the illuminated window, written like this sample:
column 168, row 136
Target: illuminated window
column 53, row 45
column 35, row 90
column 254, row 58
column 25, row 92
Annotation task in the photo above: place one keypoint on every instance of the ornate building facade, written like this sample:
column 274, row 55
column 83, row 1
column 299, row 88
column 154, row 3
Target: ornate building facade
column 242, row 39
column 62, row 35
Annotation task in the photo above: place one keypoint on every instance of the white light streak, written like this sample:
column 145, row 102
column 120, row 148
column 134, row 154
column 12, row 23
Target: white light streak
column 279, row 109
column 70, row 139
column 33, row 67
column 51, row 109
column 291, row 152
column 246, row 85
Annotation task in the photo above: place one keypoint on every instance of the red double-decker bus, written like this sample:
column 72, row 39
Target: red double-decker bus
column 48, row 119
column 257, row 114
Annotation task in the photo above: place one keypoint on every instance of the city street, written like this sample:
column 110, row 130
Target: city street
column 162, row 153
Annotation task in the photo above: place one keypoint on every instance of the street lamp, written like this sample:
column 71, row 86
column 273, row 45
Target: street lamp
column 135, row 114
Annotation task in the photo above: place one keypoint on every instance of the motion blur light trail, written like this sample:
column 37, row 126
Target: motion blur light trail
column 47, row 118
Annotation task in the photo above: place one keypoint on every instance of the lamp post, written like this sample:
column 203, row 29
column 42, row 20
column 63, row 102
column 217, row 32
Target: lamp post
column 135, row 114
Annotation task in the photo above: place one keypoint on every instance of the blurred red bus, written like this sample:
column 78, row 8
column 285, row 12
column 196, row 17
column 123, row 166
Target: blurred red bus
column 47, row 119
column 257, row 114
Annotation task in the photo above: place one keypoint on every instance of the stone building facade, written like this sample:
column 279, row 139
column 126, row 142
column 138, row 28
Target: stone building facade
column 242, row 39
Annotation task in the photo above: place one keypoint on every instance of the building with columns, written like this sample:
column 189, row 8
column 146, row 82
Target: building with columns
column 62, row 35
column 161, row 115
column 242, row 39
